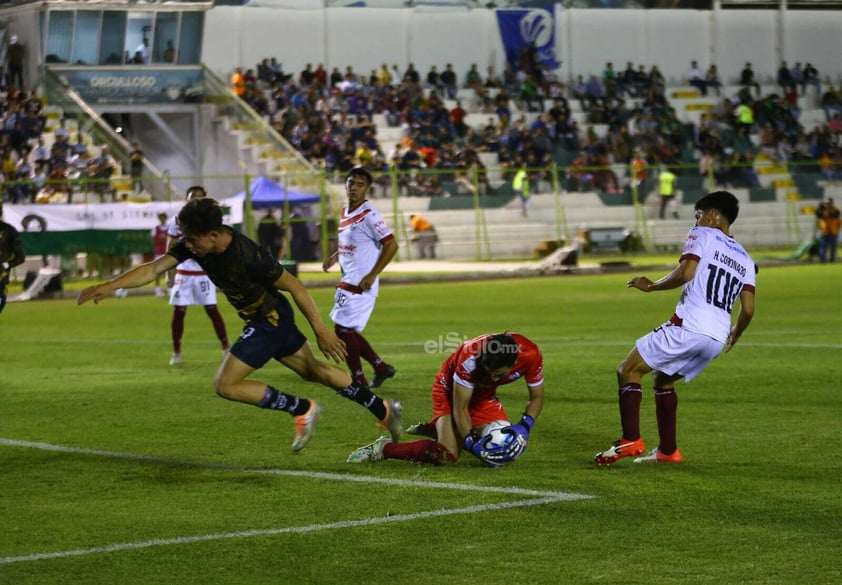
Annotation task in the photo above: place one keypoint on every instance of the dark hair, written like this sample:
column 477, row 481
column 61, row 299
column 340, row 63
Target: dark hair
column 360, row 172
column 195, row 192
column 497, row 351
column 200, row 216
column 723, row 201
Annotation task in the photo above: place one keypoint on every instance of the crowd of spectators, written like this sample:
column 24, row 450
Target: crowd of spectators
column 35, row 173
column 328, row 117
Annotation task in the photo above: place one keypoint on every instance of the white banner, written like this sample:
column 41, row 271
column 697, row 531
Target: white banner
column 103, row 216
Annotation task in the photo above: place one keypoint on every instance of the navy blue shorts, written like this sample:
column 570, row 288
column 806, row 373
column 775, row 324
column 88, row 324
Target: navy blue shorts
column 261, row 341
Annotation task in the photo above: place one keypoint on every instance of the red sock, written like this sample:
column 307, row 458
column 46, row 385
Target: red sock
column 422, row 451
column 218, row 324
column 367, row 352
column 178, row 314
column 350, row 337
column 630, row 397
column 666, row 406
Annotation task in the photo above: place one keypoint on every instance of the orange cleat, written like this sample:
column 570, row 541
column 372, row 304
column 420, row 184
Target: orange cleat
column 621, row 448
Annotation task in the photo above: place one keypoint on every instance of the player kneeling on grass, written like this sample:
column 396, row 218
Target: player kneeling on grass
column 714, row 271
column 253, row 281
column 465, row 402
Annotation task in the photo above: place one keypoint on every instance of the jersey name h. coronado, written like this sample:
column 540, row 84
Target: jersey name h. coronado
column 462, row 366
column 362, row 233
column 724, row 270
column 246, row 273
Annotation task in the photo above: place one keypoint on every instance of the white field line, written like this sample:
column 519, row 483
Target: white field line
column 536, row 498
column 420, row 345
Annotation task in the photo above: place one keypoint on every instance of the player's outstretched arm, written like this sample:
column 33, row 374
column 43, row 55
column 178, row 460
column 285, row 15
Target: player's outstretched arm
column 330, row 345
column 683, row 273
column 743, row 318
column 133, row 278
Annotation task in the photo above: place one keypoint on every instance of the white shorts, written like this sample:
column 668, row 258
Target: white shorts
column 192, row 289
column 673, row 350
column 352, row 310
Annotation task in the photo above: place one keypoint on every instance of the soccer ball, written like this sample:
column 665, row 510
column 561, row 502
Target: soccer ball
column 494, row 437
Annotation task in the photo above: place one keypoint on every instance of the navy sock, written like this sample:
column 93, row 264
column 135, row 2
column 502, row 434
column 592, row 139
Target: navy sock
column 277, row 400
column 362, row 395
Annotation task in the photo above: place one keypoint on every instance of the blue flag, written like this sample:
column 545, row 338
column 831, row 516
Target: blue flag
column 520, row 27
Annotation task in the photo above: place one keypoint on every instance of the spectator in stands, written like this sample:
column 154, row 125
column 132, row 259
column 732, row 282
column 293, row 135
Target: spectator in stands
column 103, row 167
column 142, row 51
column 491, row 79
column 473, row 79
column 695, row 78
column 238, row 83
column 796, row 74
column 784, row 77
column 579, row 91
column 447, row 79
column 609, row 80
column 744, row 118
column 169, row 55
column 433, row 79
column 747, row 79
column 831, row 102
column 594, row 93
column 811, row 77
column 657, row 83
column 305, row 78
column 457, row 119
column 40, row 154
column 411, row 76
column 15, row 57
column 712, row 79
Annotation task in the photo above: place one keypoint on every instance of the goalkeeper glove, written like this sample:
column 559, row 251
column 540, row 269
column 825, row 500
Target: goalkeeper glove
column 520, row 438
column 476, row 445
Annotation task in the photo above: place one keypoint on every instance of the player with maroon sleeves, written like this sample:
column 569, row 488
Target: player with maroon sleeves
column 714, row 271
column 465, row 401
column 365, row 246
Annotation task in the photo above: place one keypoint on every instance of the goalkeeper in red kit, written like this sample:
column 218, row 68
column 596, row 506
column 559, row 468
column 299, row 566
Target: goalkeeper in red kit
column 465, row 401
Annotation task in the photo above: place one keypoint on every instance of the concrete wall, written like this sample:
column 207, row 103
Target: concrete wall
column 586, row 39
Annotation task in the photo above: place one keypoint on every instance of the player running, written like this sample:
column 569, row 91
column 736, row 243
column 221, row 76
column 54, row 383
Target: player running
column 465, row 401
column 253, row 282
column 714, row 270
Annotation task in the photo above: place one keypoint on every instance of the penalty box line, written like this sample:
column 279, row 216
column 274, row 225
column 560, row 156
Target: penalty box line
column 534, row 498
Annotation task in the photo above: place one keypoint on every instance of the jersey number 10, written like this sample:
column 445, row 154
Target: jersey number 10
column 722, row 287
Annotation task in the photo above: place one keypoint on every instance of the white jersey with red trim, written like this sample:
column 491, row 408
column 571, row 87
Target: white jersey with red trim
column 724, row 270
column 362, row 233
column 174, row 231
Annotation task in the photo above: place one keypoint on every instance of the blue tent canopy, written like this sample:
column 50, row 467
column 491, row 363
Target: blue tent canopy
column 266, row 193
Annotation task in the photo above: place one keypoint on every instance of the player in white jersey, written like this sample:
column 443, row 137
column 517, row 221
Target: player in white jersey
column 190, row 285
column 366, row 245
column 714, row 270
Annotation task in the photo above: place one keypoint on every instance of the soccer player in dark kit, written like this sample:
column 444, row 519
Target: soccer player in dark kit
column 253, row 282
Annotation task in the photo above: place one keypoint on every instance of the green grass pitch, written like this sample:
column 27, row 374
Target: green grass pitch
column 116, row 468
